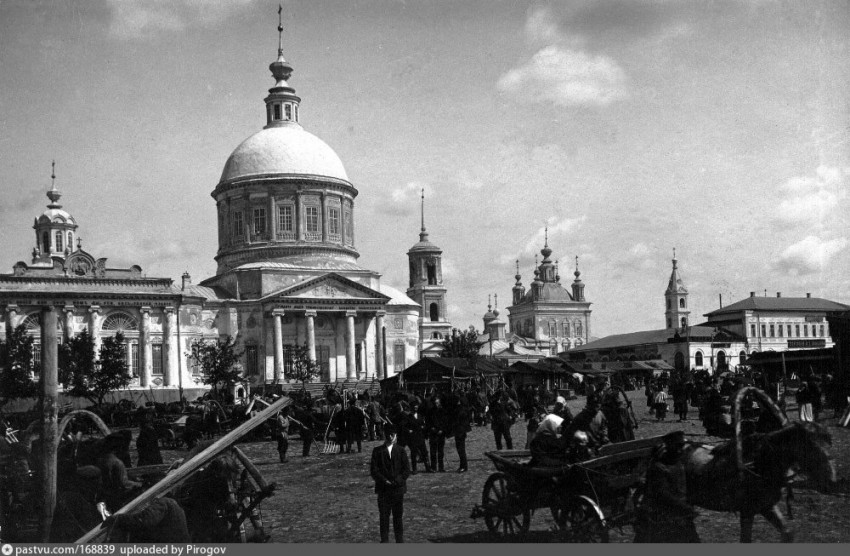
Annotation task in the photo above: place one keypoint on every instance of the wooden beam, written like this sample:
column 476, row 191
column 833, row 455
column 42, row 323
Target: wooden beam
column 252, row 470
column 184, row 471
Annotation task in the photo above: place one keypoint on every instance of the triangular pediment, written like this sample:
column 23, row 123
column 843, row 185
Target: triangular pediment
column 329, row 287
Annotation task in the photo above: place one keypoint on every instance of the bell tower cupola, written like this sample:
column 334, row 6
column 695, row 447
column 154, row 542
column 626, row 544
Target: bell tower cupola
column 55, row 229
column 282, row 102
column 676, row 299
column 518, row 289
column 578, row 286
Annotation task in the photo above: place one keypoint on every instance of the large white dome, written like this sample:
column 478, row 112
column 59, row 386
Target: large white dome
column 283, row 150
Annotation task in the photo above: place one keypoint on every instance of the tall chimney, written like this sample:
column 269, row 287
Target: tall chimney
column 187, row 280
column 778, row 294
column 808, row 295
column 752, row 294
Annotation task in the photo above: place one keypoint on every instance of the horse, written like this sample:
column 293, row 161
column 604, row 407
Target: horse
column 716, row 480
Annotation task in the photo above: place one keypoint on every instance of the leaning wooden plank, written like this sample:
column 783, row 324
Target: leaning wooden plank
column 189, row 467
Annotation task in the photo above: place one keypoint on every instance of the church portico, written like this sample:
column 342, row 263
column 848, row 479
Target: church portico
column 344, row 341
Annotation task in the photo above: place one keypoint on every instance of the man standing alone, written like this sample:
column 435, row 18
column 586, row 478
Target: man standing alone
column 390, row 469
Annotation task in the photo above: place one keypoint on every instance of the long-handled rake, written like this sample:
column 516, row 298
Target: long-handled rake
column 329, row 446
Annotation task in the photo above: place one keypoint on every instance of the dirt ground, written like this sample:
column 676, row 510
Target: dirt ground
column 330, row 498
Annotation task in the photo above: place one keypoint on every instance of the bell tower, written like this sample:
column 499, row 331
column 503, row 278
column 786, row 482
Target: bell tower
column 55, row 229
column 427, row 289
column 677, row 313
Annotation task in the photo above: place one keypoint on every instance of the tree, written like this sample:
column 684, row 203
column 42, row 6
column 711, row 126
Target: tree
column 464, row 345
column 219, row 363
column 17, row 367
column 84, row 377
column 301, row 367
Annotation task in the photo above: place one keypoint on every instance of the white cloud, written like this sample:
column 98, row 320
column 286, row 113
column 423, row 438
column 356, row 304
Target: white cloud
column 639, row 255
column 566, row 77
column 541, row 27
column 406, row 199
column 811, row 254
column 135, row 19
column 812, row 207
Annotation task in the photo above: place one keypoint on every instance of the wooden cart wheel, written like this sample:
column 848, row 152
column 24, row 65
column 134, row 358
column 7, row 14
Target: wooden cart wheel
column 502, row 511
column 578, row 521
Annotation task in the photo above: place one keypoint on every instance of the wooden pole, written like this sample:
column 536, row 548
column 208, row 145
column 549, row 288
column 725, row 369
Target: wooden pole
column 184, row 471
column 49, row 419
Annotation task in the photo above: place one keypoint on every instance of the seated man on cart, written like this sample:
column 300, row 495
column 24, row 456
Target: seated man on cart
column 592, row 421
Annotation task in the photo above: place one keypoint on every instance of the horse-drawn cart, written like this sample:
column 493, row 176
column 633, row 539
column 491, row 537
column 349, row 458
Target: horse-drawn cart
column 585, row 498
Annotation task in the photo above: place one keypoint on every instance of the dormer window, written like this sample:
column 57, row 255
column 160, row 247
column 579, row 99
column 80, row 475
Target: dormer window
column 277, row 111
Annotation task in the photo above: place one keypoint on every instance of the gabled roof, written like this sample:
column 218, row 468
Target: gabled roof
column 204, row 292
column 533, row 367
column 501, row 348
column 660, row 336
column 329, row 286
column 754, row 303
column 396, row 296
column 433, row 369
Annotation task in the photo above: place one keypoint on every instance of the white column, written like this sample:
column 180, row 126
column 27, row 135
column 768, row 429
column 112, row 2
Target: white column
column 277, row 315
column 311, row 334
column 169, row 346
column 379, row 345
column 94, row 328
column 145, row 363
column 69, row 321
column 11, row 319
column 350, row 363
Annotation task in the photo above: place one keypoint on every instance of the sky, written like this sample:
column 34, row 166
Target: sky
column 627, row 128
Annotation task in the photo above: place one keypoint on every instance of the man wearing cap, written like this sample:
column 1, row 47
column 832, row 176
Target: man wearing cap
column 665, row 515
column 390, row 470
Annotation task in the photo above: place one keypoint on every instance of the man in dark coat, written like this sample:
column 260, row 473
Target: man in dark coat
column 502, row 416
column 461, row 426
column 621, row 425
column 355, row 419
column 665, row 515
column 438, row 428
column 147, row 445
column 390, row 469
column 306, row 421
column 415, row 426
column 161, row 521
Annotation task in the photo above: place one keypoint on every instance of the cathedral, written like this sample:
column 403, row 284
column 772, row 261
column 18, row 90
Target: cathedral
column 287, row 274
column 548, row 317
